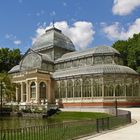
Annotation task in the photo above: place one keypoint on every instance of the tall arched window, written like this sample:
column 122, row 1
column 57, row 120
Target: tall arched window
column 33, row 90
column 129, row 90
column 77, row 88
column 42, row 90
column 57, row 90
column 86, row 87
column 136, row 90
column 108, row 90
column 62, row 89
column 119, row 90
column 69, row 89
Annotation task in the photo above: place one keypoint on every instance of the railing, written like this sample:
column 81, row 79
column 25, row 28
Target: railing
column 66, row 130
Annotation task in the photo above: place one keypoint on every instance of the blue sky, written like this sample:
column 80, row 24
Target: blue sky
column 88, row 23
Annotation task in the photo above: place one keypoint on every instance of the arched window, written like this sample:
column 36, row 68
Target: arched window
column 108, row 90
column 69, row 89
column 33, row 90
column 57, row 90
column 86, row 87
column 42, row 90
column 62, row 89
column 95, row 89
column 111, row 90
column 129, row 90
column 136, row 90
column 119, row 90
column 77, row 88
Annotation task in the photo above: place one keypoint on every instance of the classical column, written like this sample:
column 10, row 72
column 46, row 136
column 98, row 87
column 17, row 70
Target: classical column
column 27, row 91
column 22, row 91
column 49, row 90
column 37, row 91
column 17, row 93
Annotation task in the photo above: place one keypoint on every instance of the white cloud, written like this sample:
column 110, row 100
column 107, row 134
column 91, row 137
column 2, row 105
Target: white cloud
column 13, row 39
column 53, row 13
column 42, row 12
column 81, row 32
column 117, row 32
column 10, row 36
column 125, row 7
column 17, row 42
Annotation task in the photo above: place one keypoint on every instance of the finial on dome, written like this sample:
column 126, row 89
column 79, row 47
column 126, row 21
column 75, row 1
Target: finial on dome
column 53, row 24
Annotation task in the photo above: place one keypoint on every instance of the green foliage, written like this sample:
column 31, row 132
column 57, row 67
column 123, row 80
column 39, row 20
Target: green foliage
column 8, row 58
column 8, row 87
column 130, row 51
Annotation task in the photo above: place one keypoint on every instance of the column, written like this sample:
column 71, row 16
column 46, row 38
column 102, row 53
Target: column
column 49, row 91
column 22, row 91
column 17, row 93
column 27, row 91
column 37, row 91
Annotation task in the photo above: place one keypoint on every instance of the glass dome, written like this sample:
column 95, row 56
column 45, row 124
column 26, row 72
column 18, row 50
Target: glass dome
column 53, row 37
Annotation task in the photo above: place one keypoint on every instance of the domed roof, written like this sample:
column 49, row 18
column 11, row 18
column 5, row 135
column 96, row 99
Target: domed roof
column 96, row 69
column 53, row 37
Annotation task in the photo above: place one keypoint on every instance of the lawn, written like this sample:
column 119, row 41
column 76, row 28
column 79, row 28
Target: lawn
column 70, row 116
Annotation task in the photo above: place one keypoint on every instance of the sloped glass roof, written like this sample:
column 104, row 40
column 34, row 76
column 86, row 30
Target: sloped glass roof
column 15, row 69
column 96, row 69
column 53, row 37
column 91, row 51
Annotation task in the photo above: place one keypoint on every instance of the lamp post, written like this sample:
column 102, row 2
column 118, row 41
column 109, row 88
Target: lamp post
column 116, row 106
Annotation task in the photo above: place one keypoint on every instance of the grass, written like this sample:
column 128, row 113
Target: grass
column 71, row 116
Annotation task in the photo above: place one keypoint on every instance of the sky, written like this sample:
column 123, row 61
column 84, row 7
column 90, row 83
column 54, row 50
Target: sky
column 88, row 23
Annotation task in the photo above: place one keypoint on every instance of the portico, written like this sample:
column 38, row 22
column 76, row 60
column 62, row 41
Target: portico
column 33, row 87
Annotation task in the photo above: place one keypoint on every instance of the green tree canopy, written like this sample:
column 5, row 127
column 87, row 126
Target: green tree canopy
column 130, row 51
column 7, row 86
column 8, row 58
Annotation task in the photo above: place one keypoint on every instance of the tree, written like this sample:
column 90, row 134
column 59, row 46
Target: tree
column 134, row 52
column 122, row 47
column 130, row 51
column 7, row 86
column 9, row 58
